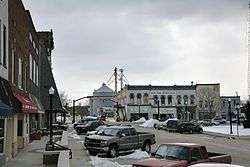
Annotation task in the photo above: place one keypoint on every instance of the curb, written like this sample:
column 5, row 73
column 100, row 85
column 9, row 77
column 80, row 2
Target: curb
column 244, row 137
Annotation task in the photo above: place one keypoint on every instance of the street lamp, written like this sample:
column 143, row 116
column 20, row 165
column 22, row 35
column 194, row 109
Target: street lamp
column 238, row 117
column 158, row 107
column 51, row 93
column 230, row 115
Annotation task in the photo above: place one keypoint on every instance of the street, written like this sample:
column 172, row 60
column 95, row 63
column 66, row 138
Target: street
column 238, row 149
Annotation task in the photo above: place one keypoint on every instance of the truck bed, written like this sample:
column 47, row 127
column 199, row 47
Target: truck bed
column 220, row 158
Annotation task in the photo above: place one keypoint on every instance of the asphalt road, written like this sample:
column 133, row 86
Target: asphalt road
column 238, row 149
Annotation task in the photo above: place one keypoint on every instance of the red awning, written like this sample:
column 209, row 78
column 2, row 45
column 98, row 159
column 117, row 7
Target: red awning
column 27, row 105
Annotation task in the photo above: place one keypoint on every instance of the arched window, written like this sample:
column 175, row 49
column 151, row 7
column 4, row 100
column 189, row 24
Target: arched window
column 132, row 98
column 163, row 100
column 185, row 98
column 156, row 100
column 192, row 99
column 170, row 100
column 178, row 98
column 138, row 98
column 145, row 98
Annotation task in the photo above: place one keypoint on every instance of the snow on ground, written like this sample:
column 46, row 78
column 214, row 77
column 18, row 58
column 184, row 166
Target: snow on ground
column 225, row 129
column 149, row 123
column 80, row 142
column 104, row 162
column 141, row 120
column 110, row 119
column 137, row 154
column 91, row 117
column 74, row 135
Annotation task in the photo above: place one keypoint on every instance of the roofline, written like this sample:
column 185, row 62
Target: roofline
column 229, row 96
column 208, row 84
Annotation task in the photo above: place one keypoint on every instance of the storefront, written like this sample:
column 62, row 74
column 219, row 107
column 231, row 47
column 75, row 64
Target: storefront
column 8, row 119
column 27, row 113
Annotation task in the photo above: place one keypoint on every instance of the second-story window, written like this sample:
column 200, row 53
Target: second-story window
column 155, row 98
column 131, row 97
column 178, row 98
column 192, row 99
column 185, row 98
column 145, row 98
column 163, row 100
column 169, row 99
column 200, row 104
column 138, row 98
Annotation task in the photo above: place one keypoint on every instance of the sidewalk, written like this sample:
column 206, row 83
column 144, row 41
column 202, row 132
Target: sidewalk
column 31, row 156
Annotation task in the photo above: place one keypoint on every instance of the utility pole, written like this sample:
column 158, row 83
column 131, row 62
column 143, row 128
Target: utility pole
column 115, row 74
column 121, row 78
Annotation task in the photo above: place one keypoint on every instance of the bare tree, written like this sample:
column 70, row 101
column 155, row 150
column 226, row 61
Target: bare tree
column 210, row 99
column 65, row 100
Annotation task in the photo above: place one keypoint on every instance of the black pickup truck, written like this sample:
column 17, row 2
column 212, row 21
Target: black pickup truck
column 115, row 139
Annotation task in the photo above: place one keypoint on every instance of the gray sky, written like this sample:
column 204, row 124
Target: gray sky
column 158, row 42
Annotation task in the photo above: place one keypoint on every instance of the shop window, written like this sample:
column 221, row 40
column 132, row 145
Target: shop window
column 155, row 97
column 131, row 97
column 20, row 128
column 138, row 98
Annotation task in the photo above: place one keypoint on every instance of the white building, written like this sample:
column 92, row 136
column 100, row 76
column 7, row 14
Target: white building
column 142, row 101
column 102, row 101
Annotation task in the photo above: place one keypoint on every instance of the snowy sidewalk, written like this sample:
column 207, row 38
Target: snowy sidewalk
column 224, row 131
column 31, row 156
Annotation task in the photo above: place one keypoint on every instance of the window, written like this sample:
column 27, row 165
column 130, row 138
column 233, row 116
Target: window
column 206, row 103
column 34, row 71
column 163, row 100
column 192, row 99
column 169, row 99
column 4, row 47
column 138, row 98
column 126, row 132
column 19, row 72
column 179, row 99
column 200, row 104
column 204, row 152
column 145, row 98
column 223, row 104
column 195, row 154
column 185, row 99
column 132, row 132
column 155, row 97
column 31, row 64
column 131, row 96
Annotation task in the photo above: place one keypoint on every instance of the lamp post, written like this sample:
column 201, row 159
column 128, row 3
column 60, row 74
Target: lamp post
column 230, row 115
column 238, row 118
column 158, row 107
column 74, row 120
column 51, row 93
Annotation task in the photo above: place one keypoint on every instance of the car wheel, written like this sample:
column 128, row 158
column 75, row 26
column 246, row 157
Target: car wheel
column 92, row 153
column 113, row 151
column 147, row 147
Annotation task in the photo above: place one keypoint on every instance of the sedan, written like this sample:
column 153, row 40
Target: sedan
column 189, row 127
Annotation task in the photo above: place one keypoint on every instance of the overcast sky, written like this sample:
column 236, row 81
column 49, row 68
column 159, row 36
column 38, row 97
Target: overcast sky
column 158, row 42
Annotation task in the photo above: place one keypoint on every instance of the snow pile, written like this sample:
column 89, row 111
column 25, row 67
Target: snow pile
column 91, row 117
column 141, row 120
column 138, row 154
column 225, row 129
column 150, row 123
column 110, row 119
column 103, row 162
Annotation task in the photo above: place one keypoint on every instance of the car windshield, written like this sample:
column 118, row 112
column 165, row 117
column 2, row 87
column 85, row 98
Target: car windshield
column 172, row 151
column 109, row 132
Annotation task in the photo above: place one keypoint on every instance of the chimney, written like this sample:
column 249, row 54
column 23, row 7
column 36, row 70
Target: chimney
column 192, row 83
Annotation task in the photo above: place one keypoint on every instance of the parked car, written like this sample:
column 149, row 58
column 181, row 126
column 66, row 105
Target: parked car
column 88, row 126
column 181, row 155
column 115, row 139
column 171, row 124
column 84, row 120
column 220, row 120
column 214, row 165
column 189, row 127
